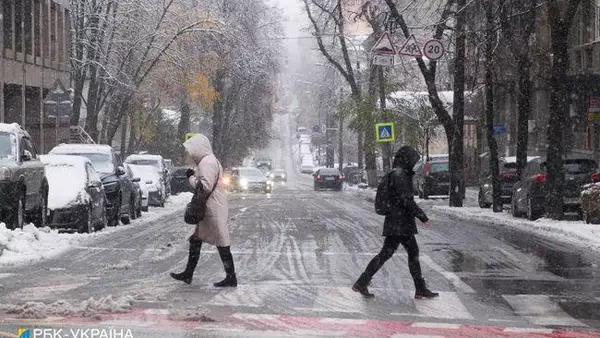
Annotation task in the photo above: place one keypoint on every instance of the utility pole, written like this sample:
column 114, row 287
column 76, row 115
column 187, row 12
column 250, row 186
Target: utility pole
column 387, row 146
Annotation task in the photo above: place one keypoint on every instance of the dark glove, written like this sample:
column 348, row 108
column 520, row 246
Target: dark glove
column 189, row 173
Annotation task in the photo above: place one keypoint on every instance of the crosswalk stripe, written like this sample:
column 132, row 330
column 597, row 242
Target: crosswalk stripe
column 344, row 321
column 450, row 276
column 339, row 299
column 527, row 330
column 448, row 305
column 429, row 325
column 241, row 296
column 541, row 310
column 410, row 335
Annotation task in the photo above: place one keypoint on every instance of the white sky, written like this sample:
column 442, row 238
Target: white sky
column 295, row 18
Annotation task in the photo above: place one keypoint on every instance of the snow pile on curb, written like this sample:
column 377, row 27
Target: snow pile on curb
column 366, row 193
column 190, row 315
column 88, row 308
column 577, row 233
column 32, row 244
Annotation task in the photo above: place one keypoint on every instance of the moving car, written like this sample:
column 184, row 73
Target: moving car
column 249, row 180
column 76, row 197
column 262, row 162
column 328, row 178
column 507, row 178
column 23, row 183
column 278, row 175
column 530, row 193
column 156, row 161
column 179, row 181
column 137, row 192
column 432, row 178
column 117, row 185
column 153, row 180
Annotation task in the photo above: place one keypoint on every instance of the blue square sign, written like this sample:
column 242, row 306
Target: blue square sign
column 385, row 132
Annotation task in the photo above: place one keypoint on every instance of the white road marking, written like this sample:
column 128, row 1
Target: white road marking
column 157, row 311
column 527, row 330
column 338, row 299
column 305, row 333
column 241, row 296
column 255, row 316
column 44, row 292
column 541, row 310
column 436, row 325
column 344, row 321
column 450, row 276
column 410, row 335
column 5, row 275
column 448, row 305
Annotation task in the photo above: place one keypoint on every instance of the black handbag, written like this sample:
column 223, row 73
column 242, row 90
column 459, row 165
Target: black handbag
column 196, row 209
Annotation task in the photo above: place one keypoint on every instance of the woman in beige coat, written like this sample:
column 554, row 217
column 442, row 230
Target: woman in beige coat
column 213, row 229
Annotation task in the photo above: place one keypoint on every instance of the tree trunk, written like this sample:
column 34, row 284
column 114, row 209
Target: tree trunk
column 341, row 143
column 489, row 107
column 524, row 106
column 385, row 147
column 183, row 127
column 360, row 153
column 457, row 149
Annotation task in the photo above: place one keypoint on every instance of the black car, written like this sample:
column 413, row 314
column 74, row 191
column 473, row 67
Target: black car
column 432, row 178
column 179, row 181
column 117, row 186
column 507, row 177
column 278, row 175
column 76, row 195
column 328, row 178
column 530, row 193
column 23, row 183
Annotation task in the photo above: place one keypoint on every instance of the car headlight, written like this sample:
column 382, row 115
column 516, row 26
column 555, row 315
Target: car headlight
column 226, row 180
column 269, row 183
column 244, row 183
column 5, row 174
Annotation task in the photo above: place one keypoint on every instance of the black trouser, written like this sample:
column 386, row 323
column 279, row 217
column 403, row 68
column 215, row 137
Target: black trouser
column 390, row 245
column 194, row 256
column 227, row 259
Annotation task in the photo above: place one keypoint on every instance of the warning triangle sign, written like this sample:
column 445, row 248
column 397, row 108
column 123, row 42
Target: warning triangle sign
column 385, row 133
column 384, row 45
column 411, row 48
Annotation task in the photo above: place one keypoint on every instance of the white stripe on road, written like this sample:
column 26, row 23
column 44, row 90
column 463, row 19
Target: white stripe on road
column 243, row 296
column 450, row 276
column 410, row 335
column 319, row 333
column 255, row 316
column 448, row 305
column 527, row 330
column 541, row 310
column 338, row 299
column 429, row 325
column 157, row 311
column 344, row 321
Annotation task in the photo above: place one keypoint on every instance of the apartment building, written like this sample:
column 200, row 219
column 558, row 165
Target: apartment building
column 34, row 60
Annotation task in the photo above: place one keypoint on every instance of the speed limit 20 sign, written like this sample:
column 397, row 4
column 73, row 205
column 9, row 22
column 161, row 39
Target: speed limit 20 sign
column 434, row 50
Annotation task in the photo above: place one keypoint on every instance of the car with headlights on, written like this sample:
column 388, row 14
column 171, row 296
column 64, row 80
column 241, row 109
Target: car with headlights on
column 23, row 183
column 117, row 185
column 76, row 198
column 151, row 177
column 328, row 178
column 278, row 175
column 248, row 179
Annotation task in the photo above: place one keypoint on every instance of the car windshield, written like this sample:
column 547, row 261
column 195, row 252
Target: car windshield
column 144, row 172
column 7, row 145
column 250, row 173
column 154, row 163
column 102, row 162
column 438, row 167
column 329, row 171
column 509, row 167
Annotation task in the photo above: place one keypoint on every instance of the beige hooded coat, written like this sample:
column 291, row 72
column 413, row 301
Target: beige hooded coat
column 214, row 228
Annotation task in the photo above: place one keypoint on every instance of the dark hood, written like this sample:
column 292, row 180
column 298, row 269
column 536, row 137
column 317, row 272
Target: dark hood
column 406, row 158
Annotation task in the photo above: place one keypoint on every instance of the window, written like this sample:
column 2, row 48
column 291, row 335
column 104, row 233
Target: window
column 28, row 146
column 91, row 173
column 18, row 11
column 60, row 35
column 53, row 47
column 28, row 26
column 7, row 11
column 37, row 28
column 45, row 30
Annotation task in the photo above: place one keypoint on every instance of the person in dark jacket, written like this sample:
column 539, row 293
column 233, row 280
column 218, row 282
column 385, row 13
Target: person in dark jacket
column 400, row 227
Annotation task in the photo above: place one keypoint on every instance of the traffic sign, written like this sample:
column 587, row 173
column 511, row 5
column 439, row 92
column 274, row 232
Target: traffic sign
column 189, row 136
column 385, row 132
column 499, row 129
column 594, row 109
column 384, row 45
column 383, row 60
column 316, row 129
column 411, row 48
column 434, row 50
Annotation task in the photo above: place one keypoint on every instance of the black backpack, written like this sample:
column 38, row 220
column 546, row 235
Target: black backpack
column 384, row 198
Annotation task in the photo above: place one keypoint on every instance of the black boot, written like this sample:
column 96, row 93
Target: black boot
column 227, row 259
column 193, row 257
column 422, row 291
column 361, row 286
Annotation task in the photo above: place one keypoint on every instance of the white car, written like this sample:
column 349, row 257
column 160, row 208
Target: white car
column 157, row 162
column 143, row 187
column 151, row 178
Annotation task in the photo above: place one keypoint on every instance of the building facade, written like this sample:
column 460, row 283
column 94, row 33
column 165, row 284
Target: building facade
column 34, row 57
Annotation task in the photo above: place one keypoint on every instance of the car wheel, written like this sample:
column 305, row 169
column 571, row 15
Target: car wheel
column 41, row 219
column 482, row 203
column 532, row 213
column 514, row 210
column 132, row 210
column 116, row 215
column 88, row 225
column 17, row 219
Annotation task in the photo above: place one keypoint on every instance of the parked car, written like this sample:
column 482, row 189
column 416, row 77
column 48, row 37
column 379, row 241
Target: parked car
column 138, row 174
column 179, row 181
column 23, row 183
column 328, row 178
column 530, row 193
column 153, row 180
column 156, row 161
column 278, row 175
column 352, row 175
column 432, row 178
column 507, row 178
column 137, row 191
column 76, row 197
column 307, row 167
column 117, row 185
column 249, row 180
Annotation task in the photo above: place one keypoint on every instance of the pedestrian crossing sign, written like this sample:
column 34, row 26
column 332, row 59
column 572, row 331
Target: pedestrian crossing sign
column 385, row 132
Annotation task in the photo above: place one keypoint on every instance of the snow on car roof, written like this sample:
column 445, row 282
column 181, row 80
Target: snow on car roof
column 82, row 148
column 144, row 171
column 11, row 128
column 138, row 157
column 513, row 159
column 58, row 160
